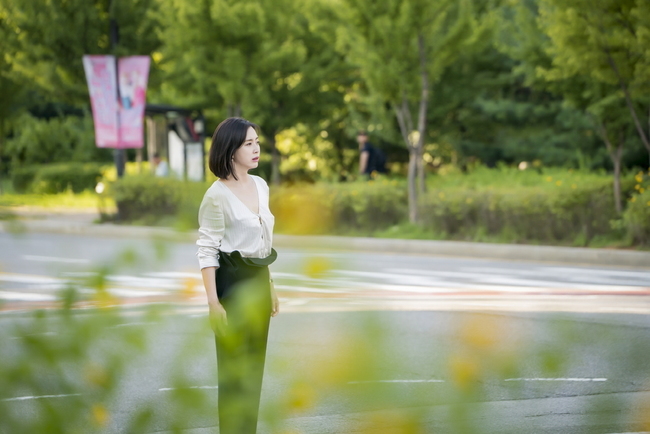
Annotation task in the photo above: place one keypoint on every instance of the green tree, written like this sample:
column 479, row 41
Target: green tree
column 605, row 41
column 401, row 49
column 561, row 50
column 257, row 58
column 54, row 36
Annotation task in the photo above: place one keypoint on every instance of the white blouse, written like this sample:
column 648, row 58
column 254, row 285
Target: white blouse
column 226, row 224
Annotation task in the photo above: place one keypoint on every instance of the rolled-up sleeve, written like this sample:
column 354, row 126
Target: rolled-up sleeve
column 211, row 230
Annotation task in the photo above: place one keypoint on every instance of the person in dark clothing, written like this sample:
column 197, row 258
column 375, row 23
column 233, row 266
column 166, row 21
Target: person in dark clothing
column 371, row 159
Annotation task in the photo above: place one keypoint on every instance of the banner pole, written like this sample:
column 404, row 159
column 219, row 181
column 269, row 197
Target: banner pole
column 119, row 155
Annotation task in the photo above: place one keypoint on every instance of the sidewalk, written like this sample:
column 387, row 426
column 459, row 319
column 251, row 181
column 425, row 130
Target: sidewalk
column 82, row 223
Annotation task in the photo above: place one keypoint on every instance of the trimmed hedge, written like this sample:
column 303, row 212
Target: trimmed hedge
column 56, row 178
column 153, row 198
column 145, row 196
column 555, row 212
column 521, row 215
column 338, row 208
column 637, row 214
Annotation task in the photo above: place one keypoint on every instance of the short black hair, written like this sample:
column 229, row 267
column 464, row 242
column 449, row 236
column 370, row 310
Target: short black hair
column 227, row 138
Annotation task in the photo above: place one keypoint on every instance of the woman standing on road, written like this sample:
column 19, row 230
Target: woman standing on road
column 235, row 239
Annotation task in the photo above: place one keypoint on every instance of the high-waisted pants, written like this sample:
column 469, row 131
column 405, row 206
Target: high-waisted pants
column 244, row 291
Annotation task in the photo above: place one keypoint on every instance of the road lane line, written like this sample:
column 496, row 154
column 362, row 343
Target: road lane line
column 26, row 398
column 55, row 259
column 166, row 389
column 25, row 296
column 396, row 381
column 558, row 379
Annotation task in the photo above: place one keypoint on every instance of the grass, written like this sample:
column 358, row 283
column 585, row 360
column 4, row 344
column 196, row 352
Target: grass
column 484, row 178
column 56, row 202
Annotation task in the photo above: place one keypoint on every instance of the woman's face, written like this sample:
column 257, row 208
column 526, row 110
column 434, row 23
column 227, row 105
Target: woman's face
column 248, row 154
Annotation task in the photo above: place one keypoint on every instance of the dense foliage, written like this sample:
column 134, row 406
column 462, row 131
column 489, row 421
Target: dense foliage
column 436, row 83
column 56, row 178
column 556, row 206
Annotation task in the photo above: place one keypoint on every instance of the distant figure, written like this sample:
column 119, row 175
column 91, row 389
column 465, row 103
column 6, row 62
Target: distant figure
column 371, row 159
column 162, row 168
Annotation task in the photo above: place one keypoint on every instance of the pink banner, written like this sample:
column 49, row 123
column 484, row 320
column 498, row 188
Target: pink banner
column 102, row 86
column 118, row 123
column 133, row 73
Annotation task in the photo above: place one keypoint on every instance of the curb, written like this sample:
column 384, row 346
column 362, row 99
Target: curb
column 510, row 252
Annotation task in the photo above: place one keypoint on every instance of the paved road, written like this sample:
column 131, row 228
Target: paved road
column 365, row 342
column 34, row 267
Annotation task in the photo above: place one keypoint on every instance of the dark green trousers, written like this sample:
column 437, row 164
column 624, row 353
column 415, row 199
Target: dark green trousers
column 245, row 293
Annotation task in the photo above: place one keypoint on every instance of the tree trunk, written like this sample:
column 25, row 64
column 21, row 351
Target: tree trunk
column 422, row 114
column 412, row 191
column 275, row 161
column 616, row 155
column 403, row 114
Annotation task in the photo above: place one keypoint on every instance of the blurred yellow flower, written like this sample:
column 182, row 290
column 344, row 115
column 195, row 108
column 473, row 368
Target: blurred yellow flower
column 633, row 199
column 464, row 370
column 469, row 200
column 316, row 267
column 549, row 179
column 639, row 177
column 441, row 195
column 189, row 285
column 400, row 421
column 637, row 187
column 558, row 183
column 573, row 186
column 481, row 333
column 641, row 190
column 100, row 415
column 96, row 375
column 302, row 396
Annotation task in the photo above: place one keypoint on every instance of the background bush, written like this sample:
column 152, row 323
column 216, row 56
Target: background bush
column 530, row 214
column 56, row 178
column 23, row 177
column 507, row 205
column 637, row 214
column 59, row 139
column 151, row 199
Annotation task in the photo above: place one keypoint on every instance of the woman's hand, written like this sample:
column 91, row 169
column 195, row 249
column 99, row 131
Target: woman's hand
column 218, row 318
column 275, row 303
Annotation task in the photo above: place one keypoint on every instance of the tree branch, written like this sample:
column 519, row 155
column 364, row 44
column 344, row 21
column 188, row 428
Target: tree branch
column 628, row 98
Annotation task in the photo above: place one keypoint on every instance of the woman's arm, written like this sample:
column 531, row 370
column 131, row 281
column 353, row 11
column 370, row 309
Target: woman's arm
column 217, row 314
column 211, row 230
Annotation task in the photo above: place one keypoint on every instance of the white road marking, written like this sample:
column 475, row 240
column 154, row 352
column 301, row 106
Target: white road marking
column 507, row 379
column 558, row 379
column 28, row 278
column 25, row 296
column 55, row 259
column 174, row 275
column 26, row 398
column 165, row 389
column 396, row 381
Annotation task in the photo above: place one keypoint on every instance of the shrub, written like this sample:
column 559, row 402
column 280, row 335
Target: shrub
column 57, row 140
column 23, row 177
column 637, row 214
column 338, row 208
column 146, row 196
column 530, row 214
column 150, row 198
column 56, row 178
